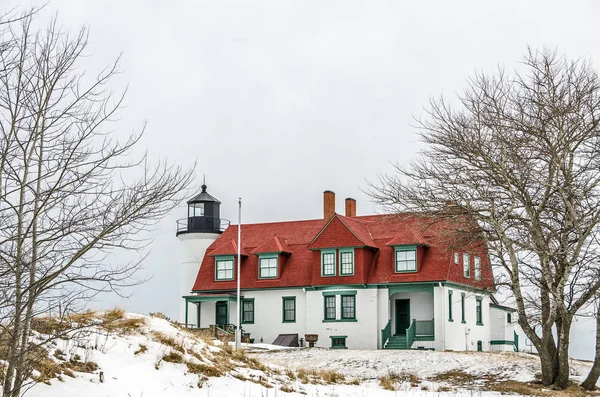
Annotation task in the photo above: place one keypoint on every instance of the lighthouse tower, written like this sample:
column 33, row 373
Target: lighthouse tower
column 196, row 232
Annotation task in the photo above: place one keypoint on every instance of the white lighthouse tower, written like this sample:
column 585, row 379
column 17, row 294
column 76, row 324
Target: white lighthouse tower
column 196, row 232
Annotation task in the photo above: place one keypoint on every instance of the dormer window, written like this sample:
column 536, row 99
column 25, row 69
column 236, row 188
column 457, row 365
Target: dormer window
column 346, row 261
column 224, row 268
column 466, row 265
column 267, row 266
column 328, row 262
column 406, row 258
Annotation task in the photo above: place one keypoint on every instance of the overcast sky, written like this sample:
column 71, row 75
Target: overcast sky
column 278, row 100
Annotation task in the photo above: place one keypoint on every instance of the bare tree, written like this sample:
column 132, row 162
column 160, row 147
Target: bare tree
column 519, row 155
column 72, row 191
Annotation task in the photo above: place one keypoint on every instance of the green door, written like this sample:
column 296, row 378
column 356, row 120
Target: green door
column 221, row 313
column 402, row 315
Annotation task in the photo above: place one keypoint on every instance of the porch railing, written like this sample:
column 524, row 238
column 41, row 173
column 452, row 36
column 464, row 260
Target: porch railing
column 420, row 330
column 386, row 333
column 423, row 328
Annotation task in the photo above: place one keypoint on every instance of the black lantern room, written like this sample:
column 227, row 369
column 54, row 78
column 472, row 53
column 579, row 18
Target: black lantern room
column 204, row 215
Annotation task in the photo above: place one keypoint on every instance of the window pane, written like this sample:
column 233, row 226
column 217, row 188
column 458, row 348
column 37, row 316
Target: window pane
column 224, row 269
column 329, row 263
column 248, row 311
column 347, row 262
column 330, row 307
column 268, row 267
column 406, row 261
column 456, row 258
column 477, row 262
column 348, row 306
column 466, row 265
column 289, row 309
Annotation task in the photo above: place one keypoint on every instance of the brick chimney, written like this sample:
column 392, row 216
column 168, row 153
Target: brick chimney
column 328, row 204
column 350, row 207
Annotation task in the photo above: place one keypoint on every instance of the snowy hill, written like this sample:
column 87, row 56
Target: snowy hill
column 143, row 356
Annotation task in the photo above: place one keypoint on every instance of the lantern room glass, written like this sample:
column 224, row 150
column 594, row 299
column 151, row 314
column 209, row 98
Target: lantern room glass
column 195, row 209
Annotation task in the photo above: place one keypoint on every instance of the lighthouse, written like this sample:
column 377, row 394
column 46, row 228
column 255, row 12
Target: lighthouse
column 197, row 232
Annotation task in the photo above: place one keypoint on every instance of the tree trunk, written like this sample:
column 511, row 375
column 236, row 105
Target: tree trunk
column 590, row 382
column 562, row 381
column 546, row 364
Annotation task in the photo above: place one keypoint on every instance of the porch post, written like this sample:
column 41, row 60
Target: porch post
column 186, row 312
column 198, row 314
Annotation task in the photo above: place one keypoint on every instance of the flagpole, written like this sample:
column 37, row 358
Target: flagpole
column 238, row 330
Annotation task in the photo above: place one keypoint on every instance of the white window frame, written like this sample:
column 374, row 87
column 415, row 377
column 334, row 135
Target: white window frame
column 265, row 263
column 477, row 268
column 224, row 261
column 466, row 265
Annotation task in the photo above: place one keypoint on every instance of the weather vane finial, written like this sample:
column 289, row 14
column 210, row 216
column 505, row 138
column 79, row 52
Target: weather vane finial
column 203, row 182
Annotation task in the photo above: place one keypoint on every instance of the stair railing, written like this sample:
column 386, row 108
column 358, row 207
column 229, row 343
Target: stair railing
column 410, row 334
column 386, row 333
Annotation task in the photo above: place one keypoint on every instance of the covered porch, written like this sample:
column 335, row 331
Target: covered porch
column 204, row 311
column 411, row 322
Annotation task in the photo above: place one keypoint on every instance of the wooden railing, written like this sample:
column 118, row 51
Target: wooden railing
column 386, row 333
column 424, row 327
column 420, row 330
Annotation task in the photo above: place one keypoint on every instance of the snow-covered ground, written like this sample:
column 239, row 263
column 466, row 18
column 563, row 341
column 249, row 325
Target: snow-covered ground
column 130, row 372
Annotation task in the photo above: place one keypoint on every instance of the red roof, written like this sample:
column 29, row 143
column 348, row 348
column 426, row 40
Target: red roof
column 408, row 237
column 272, row 245
column 227, row 248
column 371, row 236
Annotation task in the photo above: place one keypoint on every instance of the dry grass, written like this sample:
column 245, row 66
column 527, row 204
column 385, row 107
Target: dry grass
column 494, row 382
column 168, row 341
column 456, row 377
column 113, row 315
column 160, row 315
column 201, row 369
column 86, row 318
column 173, row 357
column 113, row 321
column 79, row 366
column 287, row 388
column 319, row 376
column 392, row 380
column 142, row 349
column 537, row 389
column 50, row 325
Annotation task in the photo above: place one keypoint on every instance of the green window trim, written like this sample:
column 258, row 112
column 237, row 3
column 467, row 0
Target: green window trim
column 288, row 313
column 340, row 292
column 462, row 307
column 450, row 305
column 248, row 311
column 406, row 260
column 479, row 311
column 344, row 254
column 509, row 318
column 338, row 342
column 329, row 302
column 326, row 254
column 267, row 258
column 221, row 259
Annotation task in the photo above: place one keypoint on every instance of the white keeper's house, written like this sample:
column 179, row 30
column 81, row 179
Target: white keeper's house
column 356, row 282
